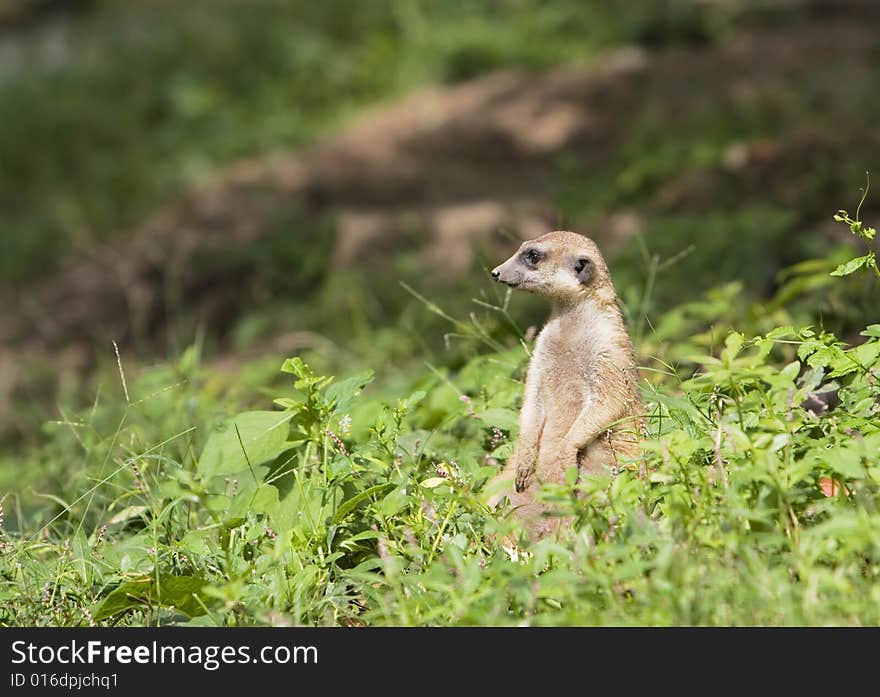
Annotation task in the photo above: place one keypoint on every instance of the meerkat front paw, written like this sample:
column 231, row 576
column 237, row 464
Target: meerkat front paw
column 523, row 472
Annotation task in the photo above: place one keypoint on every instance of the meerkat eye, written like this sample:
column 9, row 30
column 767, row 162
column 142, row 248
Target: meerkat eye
column 533, row 256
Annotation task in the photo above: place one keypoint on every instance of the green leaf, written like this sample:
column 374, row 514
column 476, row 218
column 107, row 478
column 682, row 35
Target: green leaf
column 861, row 357
column 350, row 504
column 845, row 461
column 247, row 440
column 394, row 502
column 505, row 419
column 413, row 399
column 182, row 592
column 851, row 266
column 341, row 394
column 733, row 344
column 262, row 499
column 128, row 513
column 432, row 482
column 808, row 348
column 306, row 378
column 790, row 372
column 872, row 330
column 782, row 332
column 265, row 499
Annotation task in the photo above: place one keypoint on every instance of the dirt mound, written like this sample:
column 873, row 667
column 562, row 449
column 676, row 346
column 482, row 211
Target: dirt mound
column 453, row 163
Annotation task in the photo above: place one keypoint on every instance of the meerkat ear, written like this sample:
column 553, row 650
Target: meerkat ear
column 583, row 269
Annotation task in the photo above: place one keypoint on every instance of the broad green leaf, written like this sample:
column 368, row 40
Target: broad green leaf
column 393, row 503
column 250, row 438
column 851, row 266
column 845, row 461
column 505, row 419
column 343, row 393
column 262, row 499
column 196, row 541
column 179, row 591
column 265, row 499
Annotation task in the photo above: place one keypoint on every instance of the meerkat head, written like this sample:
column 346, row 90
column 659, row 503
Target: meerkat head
column 562, row 266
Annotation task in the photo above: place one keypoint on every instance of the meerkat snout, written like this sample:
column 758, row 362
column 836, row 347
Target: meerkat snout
column 581, row 405
column 507, row 274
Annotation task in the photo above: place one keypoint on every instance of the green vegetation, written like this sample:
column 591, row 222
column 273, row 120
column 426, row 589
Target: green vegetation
column 202, row 485
column 761, row 504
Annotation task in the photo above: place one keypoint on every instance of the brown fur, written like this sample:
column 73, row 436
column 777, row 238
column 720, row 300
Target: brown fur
column 581, row 378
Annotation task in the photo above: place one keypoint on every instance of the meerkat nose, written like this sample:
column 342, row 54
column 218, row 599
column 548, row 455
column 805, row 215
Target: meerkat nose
column 496, row 274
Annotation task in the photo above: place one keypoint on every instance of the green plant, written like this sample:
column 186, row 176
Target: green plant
column 348, row 505
column 865, row 232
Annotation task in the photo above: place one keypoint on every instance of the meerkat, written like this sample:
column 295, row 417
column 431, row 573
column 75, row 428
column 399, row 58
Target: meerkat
column 581, row 406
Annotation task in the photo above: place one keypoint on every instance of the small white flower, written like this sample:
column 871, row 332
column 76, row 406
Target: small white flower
column 345, row 425
column 515, row 553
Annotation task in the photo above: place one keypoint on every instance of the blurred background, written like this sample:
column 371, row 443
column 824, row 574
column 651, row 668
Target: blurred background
column 229, row 182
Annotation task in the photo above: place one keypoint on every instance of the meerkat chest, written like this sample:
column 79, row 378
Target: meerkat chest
column 558, row 369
